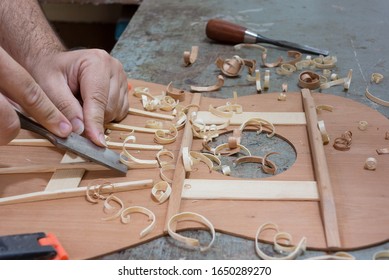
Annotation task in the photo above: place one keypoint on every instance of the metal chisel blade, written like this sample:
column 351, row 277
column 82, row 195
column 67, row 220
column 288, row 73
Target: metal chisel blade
column 77, row 144
column 86, row 149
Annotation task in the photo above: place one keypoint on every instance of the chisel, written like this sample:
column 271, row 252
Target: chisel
column 230, row 33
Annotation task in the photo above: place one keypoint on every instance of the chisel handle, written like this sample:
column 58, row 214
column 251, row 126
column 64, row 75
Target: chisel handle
column 225, row 32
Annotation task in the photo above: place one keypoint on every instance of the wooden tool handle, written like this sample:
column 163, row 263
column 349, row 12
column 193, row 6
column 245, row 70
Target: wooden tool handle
column 225, row 32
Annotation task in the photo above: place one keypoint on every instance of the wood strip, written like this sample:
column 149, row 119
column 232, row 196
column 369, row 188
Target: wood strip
column 279, row 118
column 143, row 113
column 179, row 173
column 250, row 190
column 111, row 145
column 45, row 168
column 123, row 127
column 327, row 201
column 74, row 192
column 66, row 179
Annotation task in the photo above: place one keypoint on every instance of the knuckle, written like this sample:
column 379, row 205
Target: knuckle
column 33, row 96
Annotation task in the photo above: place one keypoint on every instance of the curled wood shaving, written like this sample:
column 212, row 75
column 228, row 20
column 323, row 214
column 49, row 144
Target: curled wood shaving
column 284, row 87
column 309, row 79
column 226, row 170
column 230, row 67
column 376, row 99
column 267, row 166
column 324, row 135
column 244, row 45
column 377, row 78
column 161, row 191
column 181, row 121
column 217, row 86
column 324, row 107
column 293, row 251
column 327, row 73
column 109, row 208
column 168, row 103
column 167, row 153
column 334, row 77
column 286, row 69
column 174, row 93
column 343, row 81
column 362, row 125
column 191, row 158
column 303, row 64
column 258, row 81
column 163, row 169
column 163, row 137
column 381, row 255
column 153, row 124
column 93, row 192
column 192, row 242
column 383, row 151
column 266, row 80
column 133, row 162
column 225, row 150
column 216, row 160
column 371, row 163
column 270, row 65
column 190, row 57
column 343, row 143
column 259, row 123
column 296, row 57
column 220, row 113
column 325, row 62
column 125, row 217
column 281, row 97
column 336, row 256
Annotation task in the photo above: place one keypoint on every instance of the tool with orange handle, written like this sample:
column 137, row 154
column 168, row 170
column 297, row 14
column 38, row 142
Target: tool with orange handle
column 230, row 33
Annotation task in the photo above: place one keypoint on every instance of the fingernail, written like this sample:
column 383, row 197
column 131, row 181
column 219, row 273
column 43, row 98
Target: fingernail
column 65, row 128
column 78, row 125
column 102, row 140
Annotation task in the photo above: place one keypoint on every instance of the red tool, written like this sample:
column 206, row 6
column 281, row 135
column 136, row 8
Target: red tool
column 230, row 33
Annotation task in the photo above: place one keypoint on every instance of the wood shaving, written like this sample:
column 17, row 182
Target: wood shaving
column 258, row 81
column 270, row 65
column 286, row 69
column 259, row 123
column 133, row 162
column 217, row 86
column 370, row 163
column 190, row 57
column 109, row 208
column 324, row 135
column 163, row 169
column 381, row 255
column 226, row 170
column 324, row 62
column 284, row 87
column 192, row 242
column 296, row 57
column 224, row 149
column 257, row 46
column 174, row 93
column 153, row 124
column 343, row 143
column 125, row 217
column 376, row 78
column 281, row 97
column 324, row 107
column 266, row 80
column 303, row 64
column 309, row 79
column 267, row 166
column 168, row 103
column 336, row 256
column 383, row 151
column 161, row 191
column 163, row 137
column 167, row 153
column 231, row 67
column 376, row 99
column 293, row 251
column 362, row 125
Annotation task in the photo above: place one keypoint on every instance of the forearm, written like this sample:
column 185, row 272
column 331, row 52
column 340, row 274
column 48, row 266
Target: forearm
column 25, row 33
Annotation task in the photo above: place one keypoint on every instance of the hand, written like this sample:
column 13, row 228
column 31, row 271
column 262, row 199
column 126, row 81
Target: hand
column 92, row 76
column 18, row 87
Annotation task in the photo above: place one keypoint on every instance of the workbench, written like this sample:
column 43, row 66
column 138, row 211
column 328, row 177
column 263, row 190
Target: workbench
column 151, row 50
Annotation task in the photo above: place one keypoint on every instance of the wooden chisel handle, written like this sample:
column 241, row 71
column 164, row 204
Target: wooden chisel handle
column 225, row 32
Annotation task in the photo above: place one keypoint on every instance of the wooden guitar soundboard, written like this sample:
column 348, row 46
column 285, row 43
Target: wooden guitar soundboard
column 350, row 211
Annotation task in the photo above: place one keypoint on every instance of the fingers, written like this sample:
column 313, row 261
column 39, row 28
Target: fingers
column 9, row 124
column 103, row 86
column 17, row 84
column 58, row 91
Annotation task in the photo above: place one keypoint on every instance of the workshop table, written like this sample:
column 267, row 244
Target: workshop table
column 151, row 49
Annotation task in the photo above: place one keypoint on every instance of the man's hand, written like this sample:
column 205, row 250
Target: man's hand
column 90, row 76
column 17, row 86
